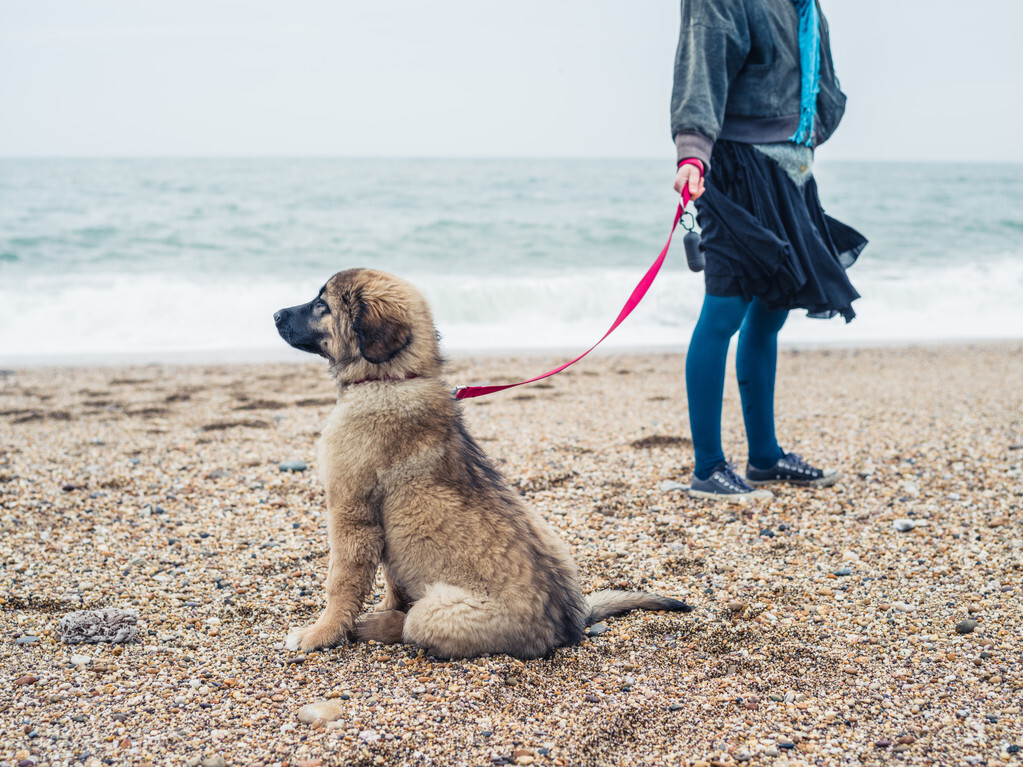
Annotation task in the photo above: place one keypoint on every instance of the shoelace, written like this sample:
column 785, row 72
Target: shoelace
column 734, row 479
column 799, row 463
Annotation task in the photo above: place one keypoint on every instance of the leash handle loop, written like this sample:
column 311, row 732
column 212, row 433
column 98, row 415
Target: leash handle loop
column 468, row 392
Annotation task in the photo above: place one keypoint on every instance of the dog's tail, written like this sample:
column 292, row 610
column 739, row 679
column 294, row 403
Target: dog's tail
column 605, row 604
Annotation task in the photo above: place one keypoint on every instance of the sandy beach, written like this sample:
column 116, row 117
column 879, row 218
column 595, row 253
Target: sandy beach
column 874, row 622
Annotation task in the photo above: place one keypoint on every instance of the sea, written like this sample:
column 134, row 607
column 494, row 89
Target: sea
column 168, row 260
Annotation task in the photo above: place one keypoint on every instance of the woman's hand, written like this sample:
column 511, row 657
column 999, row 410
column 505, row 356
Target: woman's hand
column 689, row 175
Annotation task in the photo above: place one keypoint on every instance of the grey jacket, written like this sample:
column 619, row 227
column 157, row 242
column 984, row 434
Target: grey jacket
column 737, row 76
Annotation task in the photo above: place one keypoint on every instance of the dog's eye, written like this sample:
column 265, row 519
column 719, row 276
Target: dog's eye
column 321, row 306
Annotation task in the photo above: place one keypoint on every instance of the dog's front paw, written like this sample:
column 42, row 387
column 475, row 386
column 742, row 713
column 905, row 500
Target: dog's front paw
column 313, row 637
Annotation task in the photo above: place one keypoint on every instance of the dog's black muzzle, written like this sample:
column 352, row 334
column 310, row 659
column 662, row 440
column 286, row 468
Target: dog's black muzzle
column 296, row 327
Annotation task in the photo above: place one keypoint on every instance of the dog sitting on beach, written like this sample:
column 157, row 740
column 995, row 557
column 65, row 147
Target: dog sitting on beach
column 469, row 567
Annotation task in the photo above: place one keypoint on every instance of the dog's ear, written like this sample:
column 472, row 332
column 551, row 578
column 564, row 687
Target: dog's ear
column 382, row 330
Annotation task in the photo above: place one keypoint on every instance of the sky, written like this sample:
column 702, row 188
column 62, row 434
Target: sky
column 926, row 80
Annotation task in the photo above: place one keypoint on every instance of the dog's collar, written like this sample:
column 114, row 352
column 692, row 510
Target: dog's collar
column 409, row 377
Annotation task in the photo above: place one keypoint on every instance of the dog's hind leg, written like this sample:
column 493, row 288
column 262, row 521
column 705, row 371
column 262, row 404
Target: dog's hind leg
column 384, row 626
column 450, row 622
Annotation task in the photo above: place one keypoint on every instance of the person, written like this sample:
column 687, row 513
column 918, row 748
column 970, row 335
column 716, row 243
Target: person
column 754, row 94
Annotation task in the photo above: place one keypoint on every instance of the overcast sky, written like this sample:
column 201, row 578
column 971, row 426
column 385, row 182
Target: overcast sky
column 926, row 79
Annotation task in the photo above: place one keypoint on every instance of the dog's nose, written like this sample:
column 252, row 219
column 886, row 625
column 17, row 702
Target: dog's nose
column 277, row 318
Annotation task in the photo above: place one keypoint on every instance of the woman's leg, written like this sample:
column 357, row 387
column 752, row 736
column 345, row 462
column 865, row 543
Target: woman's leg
column 720, row 318
column 756, row 361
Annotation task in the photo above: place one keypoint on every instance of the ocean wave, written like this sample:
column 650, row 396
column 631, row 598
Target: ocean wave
column 160, row 314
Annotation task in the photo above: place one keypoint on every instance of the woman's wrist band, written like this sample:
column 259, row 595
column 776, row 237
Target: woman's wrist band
column 692, row 161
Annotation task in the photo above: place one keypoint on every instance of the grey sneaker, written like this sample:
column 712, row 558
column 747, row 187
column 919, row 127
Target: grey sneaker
column 791, row 468
column 725, row 485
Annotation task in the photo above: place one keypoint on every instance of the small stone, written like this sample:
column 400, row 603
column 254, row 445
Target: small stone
column 325, row 711
column 675, row 707
column 669, row 485
column 596, row 629
column 743, row 756
column 771, row 751
column 369, row 736
column 967, row 626
column 27, row 639
column 906, row 740
column 112, row 625
column 25, row 680
column 736, row 606
column 843, row 571
column 902, row 607
column 905, row 525
column 214, row 761
column 998, row 522
column 1013, row 749
column 883, row 743
column 81, row 660
column 292, row 466
column 786, row 744
column 591, row 698
column 767, row 532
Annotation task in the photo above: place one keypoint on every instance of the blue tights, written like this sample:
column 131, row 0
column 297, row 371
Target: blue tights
column 755, row 364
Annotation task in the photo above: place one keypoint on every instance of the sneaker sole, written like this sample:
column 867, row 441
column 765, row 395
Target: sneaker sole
column 756, row 495
column 827, row 481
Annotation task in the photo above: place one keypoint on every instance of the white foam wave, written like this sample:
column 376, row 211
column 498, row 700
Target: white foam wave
column 162, row 316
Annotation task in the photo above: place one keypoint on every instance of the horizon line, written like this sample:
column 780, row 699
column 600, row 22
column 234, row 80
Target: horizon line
column 453, row 158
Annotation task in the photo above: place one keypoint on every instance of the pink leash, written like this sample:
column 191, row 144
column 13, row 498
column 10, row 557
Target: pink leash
column 467, row 392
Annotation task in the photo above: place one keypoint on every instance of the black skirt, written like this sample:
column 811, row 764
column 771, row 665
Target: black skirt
column 764, row 236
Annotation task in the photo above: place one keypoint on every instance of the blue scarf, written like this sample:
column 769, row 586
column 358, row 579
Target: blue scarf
column 810, row 64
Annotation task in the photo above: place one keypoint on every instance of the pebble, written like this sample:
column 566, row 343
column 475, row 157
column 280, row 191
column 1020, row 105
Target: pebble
column 292, row 466
column 326, row 711
column 214, row 761
column 967, row 626
column 27, row 639
column 260, row 568
column 670, row 485
column 843, row 571
column 369, row 736
column 81, row 660
column 736, row 605
column 26, row 680
column 905, row 525
column 596, row 629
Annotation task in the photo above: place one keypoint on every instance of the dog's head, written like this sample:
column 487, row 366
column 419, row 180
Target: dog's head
column 369, row 324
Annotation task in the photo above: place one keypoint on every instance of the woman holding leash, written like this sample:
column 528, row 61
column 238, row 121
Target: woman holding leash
column 755, row 92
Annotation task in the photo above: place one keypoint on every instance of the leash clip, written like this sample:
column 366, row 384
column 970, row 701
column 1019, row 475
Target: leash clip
column 687, row 220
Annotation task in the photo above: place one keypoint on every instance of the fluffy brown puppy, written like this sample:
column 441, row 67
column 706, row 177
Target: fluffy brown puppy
column 470, row 568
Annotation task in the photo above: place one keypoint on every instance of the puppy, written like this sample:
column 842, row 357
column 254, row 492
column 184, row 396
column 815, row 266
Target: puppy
column 469, row 567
